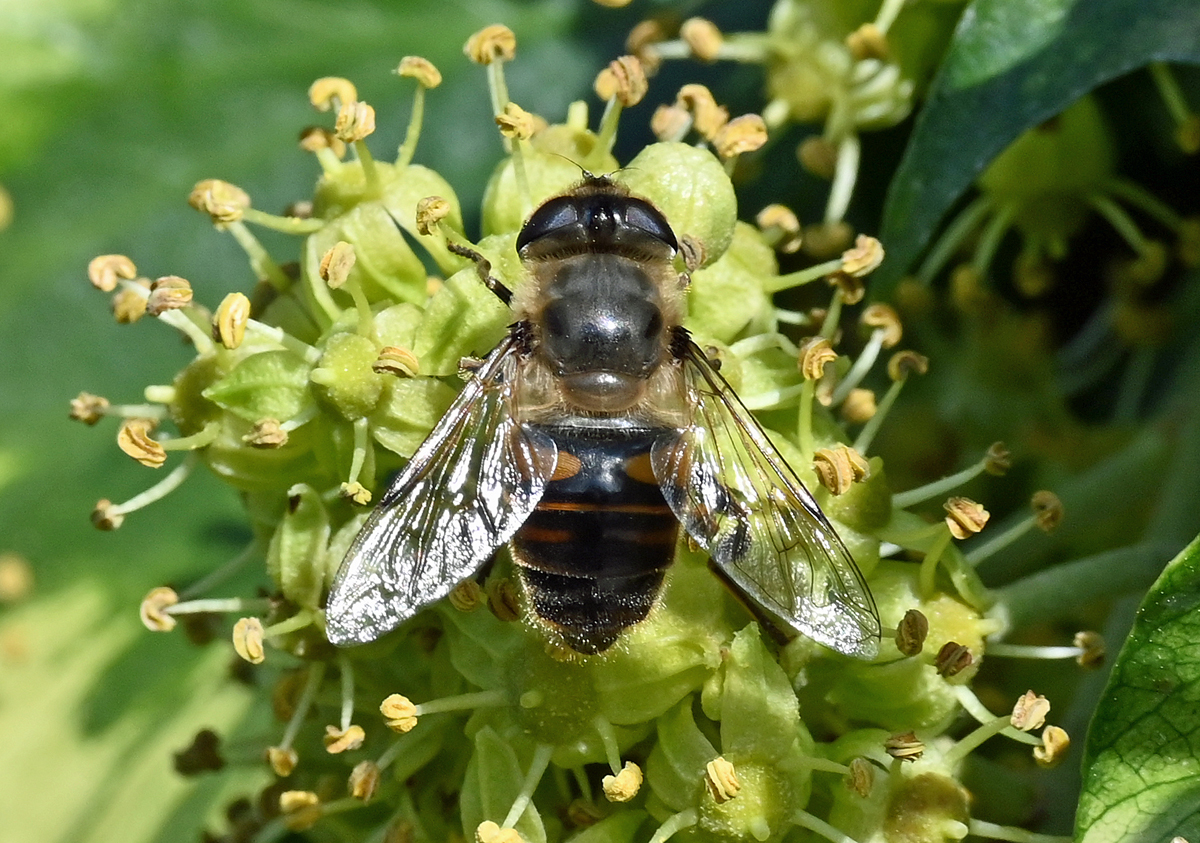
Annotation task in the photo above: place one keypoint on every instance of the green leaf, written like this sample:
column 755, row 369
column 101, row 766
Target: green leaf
column 1142, row 761
column 1014, row 64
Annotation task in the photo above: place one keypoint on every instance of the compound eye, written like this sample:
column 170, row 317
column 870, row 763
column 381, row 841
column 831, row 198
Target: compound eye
column 550, row 218
column 648, row 219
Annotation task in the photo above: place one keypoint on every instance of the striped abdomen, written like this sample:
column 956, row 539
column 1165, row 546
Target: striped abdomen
column 594, row 551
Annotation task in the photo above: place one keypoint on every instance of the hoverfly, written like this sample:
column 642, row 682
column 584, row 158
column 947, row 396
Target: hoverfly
column 584, row 440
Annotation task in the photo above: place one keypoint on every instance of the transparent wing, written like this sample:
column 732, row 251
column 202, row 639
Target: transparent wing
column 465, row 491
column 736, row 495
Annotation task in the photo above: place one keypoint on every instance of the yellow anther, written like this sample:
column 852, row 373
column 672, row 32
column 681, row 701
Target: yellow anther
column 300, row 809
column 1055, row 743
column 624, row 79
column 400, row 362
column 154, row 607
column 105, row 515
column 624, row 785
column 516, row 123
column 336, row 264
column 343, row 740
column 316, row 138
column 741, row 134
column 815, row 354
column 490, row 44
column 952, row 659
column 431, row 210
column 905, row 363
column 266, row 433
column 230, row 320
column 839, row 468
column 859, row 406
column 399, row 713
column 104, row 271
column 965, row 517
column 883, row 317
column 864, row 258
column 331, row 92
column 1030, row 712
column 861, row 777
column 703, row 38
column 133, row 438
column 282, row 761
column 88, row 408
column 222, row 201
column 905, row 747
column 364, row 780
column 355, row 121
column 781, row 227
column 868, row 42
column 248, row 640
column 168, row 293
column 911, row 633
column 421, row 69
column 721, row 781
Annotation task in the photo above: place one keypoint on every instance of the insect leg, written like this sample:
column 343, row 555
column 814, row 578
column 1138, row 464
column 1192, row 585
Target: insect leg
column 780, row 632
column 483, row 267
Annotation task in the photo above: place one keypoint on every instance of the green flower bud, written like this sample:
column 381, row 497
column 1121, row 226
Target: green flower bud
column 691, row 188
column 553, row 161
column 344, row 377
column 726, row 299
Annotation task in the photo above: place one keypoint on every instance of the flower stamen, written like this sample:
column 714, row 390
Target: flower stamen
column 1046, row 516
column 428, row 77
column 112, row 514
column 912, row 497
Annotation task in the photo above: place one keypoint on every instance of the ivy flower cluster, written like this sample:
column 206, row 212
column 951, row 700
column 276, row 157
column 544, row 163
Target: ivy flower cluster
column 466, row 723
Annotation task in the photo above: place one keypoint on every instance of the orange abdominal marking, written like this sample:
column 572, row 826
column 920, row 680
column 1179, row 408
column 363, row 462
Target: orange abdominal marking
column 568, row 466
column 640, row 469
